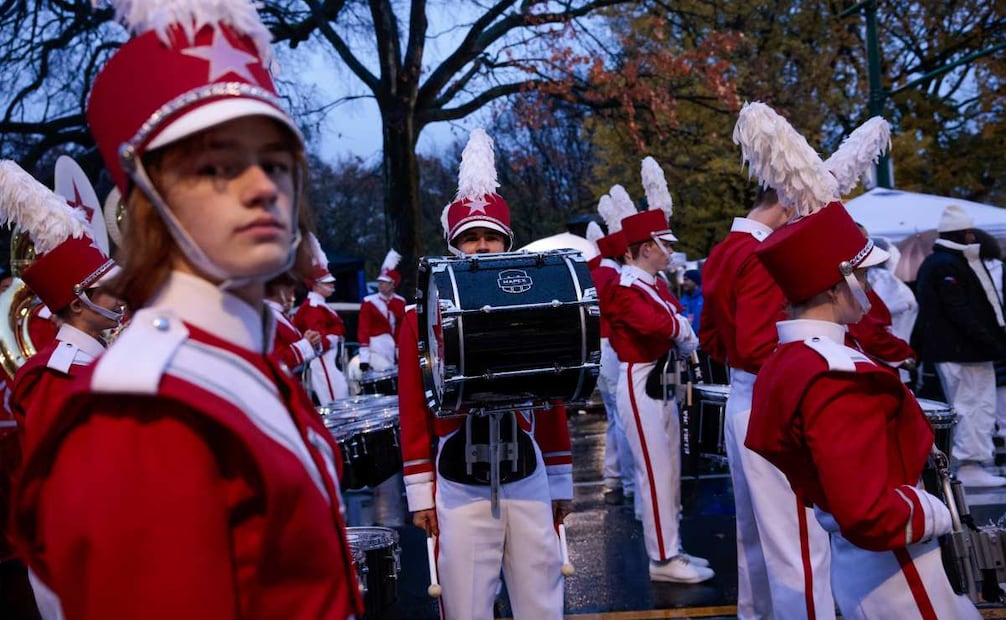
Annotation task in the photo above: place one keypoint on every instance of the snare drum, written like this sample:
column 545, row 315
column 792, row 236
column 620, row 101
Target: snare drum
column 712, row 400
column 383, row 561
column 942, row 418
column 368, row 439
column 380, row 382
column 506, row 329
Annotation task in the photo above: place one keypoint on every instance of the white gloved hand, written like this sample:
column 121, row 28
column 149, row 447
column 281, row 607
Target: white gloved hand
column 686, row 342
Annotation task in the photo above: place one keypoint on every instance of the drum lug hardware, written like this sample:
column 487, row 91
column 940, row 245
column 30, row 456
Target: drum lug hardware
column 486, row 309
column 555, row 303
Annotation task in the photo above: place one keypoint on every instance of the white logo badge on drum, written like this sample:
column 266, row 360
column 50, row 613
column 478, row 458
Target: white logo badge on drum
column 514, row 281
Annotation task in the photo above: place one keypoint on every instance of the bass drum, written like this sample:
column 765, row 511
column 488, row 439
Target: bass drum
column 502, row 329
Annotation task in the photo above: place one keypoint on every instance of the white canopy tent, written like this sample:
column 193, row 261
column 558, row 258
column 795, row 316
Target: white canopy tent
column 897, row 214
column 563, row 241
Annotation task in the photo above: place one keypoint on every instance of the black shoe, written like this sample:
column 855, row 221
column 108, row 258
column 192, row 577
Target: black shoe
column 614, row 497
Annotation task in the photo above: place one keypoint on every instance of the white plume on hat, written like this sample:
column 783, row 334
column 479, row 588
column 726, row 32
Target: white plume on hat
column 477, row 172
column 318, row 256
column 37, row 209
column 623, row 203
column 594, row 232
column 140, row 16
column 391, row 260
column 609, row 212
column 782, row 159
column 655, row 186
column 859, row 151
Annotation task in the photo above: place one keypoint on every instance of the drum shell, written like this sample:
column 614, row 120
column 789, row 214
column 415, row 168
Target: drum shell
column 369, row 441
column 712, row 406
column 383, row 561
column 380, row 383
column 942, row 418
column 525, row 332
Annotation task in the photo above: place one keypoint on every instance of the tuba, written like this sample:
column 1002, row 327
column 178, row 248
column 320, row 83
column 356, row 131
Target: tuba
column 17, row 305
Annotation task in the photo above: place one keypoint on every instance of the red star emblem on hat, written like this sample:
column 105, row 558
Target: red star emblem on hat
column 224, row 58
column 78, row 203
column 477, row 205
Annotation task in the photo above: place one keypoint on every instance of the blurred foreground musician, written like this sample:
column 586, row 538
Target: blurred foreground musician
column 473, row 545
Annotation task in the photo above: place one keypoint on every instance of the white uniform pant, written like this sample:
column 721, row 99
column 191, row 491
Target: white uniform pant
column 383, row 346
column 1001, row 410
column 618, row 466
column 651, row 426
column 971, row 390
column 474, row 546
column 327, row 381
column 905, row 583
column 771, row 545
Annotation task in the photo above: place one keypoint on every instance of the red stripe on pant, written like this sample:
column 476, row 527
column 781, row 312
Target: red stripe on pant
column 808, row 573
column 328, row 383
column 918, row 589
column 646, row 462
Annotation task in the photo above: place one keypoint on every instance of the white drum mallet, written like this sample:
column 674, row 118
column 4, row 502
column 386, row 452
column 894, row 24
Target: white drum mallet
column 434, row 590
column 567, row 568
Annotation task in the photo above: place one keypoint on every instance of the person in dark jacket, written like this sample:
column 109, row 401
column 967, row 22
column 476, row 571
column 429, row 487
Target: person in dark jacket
column 960, row 330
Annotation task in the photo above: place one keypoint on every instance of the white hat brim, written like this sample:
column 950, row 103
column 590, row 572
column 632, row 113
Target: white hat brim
column 480, row 224
column 876, row 256
column 217, row 112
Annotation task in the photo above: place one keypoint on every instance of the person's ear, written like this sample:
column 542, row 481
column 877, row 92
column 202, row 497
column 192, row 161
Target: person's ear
column 76, row 306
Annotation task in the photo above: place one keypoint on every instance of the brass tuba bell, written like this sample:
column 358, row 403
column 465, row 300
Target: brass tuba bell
column 17, row 304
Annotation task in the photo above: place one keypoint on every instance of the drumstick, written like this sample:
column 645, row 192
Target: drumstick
column 567, row 568
column 434, row 590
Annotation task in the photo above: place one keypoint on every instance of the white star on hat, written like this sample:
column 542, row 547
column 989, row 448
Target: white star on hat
column 224, row 58
column 477, row 204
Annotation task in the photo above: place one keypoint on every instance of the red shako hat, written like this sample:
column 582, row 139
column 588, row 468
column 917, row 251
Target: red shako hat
column 192, row 64
column 477, row 204
column 388, row 271
column 814, row 253
column 67, row 259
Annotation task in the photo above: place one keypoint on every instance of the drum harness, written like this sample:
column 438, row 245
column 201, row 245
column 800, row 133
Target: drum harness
column 495, row 450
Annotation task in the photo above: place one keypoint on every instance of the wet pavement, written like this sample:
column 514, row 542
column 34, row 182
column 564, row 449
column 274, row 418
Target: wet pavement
column 607, row 551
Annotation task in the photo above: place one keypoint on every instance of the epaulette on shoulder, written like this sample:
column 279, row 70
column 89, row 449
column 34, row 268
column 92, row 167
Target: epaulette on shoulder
column 627, row 278
column 62, row 357
column 839, row 357
column 138, row 358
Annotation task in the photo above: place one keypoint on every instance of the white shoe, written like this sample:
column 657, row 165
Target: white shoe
column 680, row 570
column 694, row 559
column 976, row 476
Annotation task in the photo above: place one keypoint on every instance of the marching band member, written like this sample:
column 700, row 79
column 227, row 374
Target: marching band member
column 68, row 273
column 187, row 474
column 473, row 546
column 619, row 470
column 743, row 304
column 381, row 315
column 847, row 433
column 844, row 430
column 291, row 347
column 314, row 314
column 646, row 325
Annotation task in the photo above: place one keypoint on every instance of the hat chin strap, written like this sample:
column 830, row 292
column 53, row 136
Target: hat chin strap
column 111, row 315
column 849, row 273
column 191, row 249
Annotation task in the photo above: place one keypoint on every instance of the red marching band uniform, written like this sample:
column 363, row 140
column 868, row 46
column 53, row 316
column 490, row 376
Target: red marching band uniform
column 473, row 546
column 186, row 474
column 850, row 438
column 381, row 318
column 291, row 347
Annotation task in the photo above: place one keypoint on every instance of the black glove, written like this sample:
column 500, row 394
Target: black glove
column 364, row 366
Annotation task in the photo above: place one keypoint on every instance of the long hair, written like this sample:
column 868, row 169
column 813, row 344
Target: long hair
column 148, row 250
